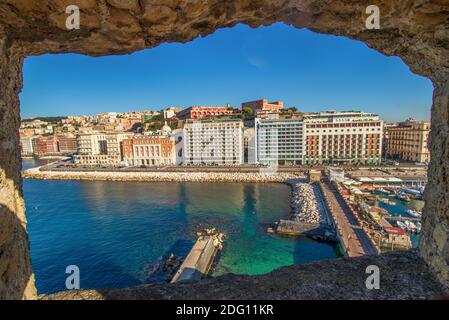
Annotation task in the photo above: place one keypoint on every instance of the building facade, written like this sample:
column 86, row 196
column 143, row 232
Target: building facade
column 279, row 142
column 213, row 142
column 263, row 105
column 342, row 137
column 67, row 145
column 101, row 148
column 149, row 151
column 47, row 145
column 203, row 112
column 409, row 141
column 26, row 146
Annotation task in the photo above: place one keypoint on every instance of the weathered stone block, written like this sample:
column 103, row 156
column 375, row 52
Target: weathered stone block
column 125, row 4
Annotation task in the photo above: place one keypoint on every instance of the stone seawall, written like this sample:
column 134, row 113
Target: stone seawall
column 35, row 173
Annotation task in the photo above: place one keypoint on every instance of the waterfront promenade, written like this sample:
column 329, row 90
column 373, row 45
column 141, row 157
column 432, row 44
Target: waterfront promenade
column 354, row 239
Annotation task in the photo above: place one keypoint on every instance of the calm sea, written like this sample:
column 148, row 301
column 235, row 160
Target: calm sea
column 117, row 233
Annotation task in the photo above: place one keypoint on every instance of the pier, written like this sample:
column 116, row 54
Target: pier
column 200, row 259
column 352, row 236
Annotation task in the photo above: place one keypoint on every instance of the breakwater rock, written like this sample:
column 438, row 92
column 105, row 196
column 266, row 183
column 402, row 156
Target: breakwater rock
column 259, row 177
column 306, row 203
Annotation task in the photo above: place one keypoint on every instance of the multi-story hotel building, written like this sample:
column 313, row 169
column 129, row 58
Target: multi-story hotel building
column 342, row 137
column 213, row 142
column 149, row 151
column 67, row 145
column 45, row 146
column 102, row 148
column 279, row 142
column 203, row 112
column 409, row 141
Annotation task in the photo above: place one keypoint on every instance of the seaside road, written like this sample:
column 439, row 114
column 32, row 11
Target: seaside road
column 354, row 238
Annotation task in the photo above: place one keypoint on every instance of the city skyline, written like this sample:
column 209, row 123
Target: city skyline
column 310, row 71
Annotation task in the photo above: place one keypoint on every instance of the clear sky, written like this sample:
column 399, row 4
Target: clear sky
column 310, row 71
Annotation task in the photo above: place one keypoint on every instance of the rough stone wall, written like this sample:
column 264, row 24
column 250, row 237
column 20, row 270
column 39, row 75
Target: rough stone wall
column 434, row 244
column 415, row 30
column 16, row 278
column 404, row 275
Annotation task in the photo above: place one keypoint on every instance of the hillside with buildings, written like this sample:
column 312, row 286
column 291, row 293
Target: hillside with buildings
column 259, row 133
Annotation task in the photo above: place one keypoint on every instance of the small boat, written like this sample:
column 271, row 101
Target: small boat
column 381, row 190
column 402, row 196
column 419, row 197
column 411, row 227
column 418, row 227
column 402, row 225
column 414, row 213
column 410, row 191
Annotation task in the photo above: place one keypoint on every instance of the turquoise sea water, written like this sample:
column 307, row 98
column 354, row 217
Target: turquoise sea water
column 118, row 232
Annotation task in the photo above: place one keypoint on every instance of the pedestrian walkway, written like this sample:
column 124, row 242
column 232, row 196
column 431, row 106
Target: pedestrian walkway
column 354, row 239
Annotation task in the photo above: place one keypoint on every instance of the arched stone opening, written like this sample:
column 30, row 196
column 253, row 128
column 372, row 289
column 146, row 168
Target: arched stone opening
column 416, row 31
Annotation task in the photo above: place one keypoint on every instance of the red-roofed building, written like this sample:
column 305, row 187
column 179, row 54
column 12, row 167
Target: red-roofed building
column 203, row 112
column 264, row 105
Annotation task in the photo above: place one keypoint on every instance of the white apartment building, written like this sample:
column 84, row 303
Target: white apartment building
column 26, row 144
column 213, row 142
column 342, row 137
column 278, row 141
column 101, row 148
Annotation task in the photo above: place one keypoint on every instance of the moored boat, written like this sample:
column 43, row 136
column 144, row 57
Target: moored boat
column 414, row 213
column 402, row 196
column 418, row 227
column 382, row 190
column 401, row 225
column 411, row 227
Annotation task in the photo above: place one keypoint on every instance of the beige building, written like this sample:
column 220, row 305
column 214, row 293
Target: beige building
column 101, row 148
column 149, row 151
column 408, row 141
column 342, row 137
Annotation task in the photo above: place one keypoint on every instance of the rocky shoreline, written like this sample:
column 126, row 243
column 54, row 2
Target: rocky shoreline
column 260, row 177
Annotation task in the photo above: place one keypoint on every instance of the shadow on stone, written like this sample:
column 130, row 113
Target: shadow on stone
column 16, row 276
column 403, row 275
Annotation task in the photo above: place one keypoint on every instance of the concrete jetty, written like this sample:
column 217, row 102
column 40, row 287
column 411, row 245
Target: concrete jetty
column 318, row 231
column 199, row 261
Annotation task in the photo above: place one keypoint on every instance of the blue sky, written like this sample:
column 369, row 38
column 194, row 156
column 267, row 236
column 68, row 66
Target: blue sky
column 310, row 71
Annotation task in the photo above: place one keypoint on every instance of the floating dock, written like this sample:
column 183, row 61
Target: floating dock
column 199, row 261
